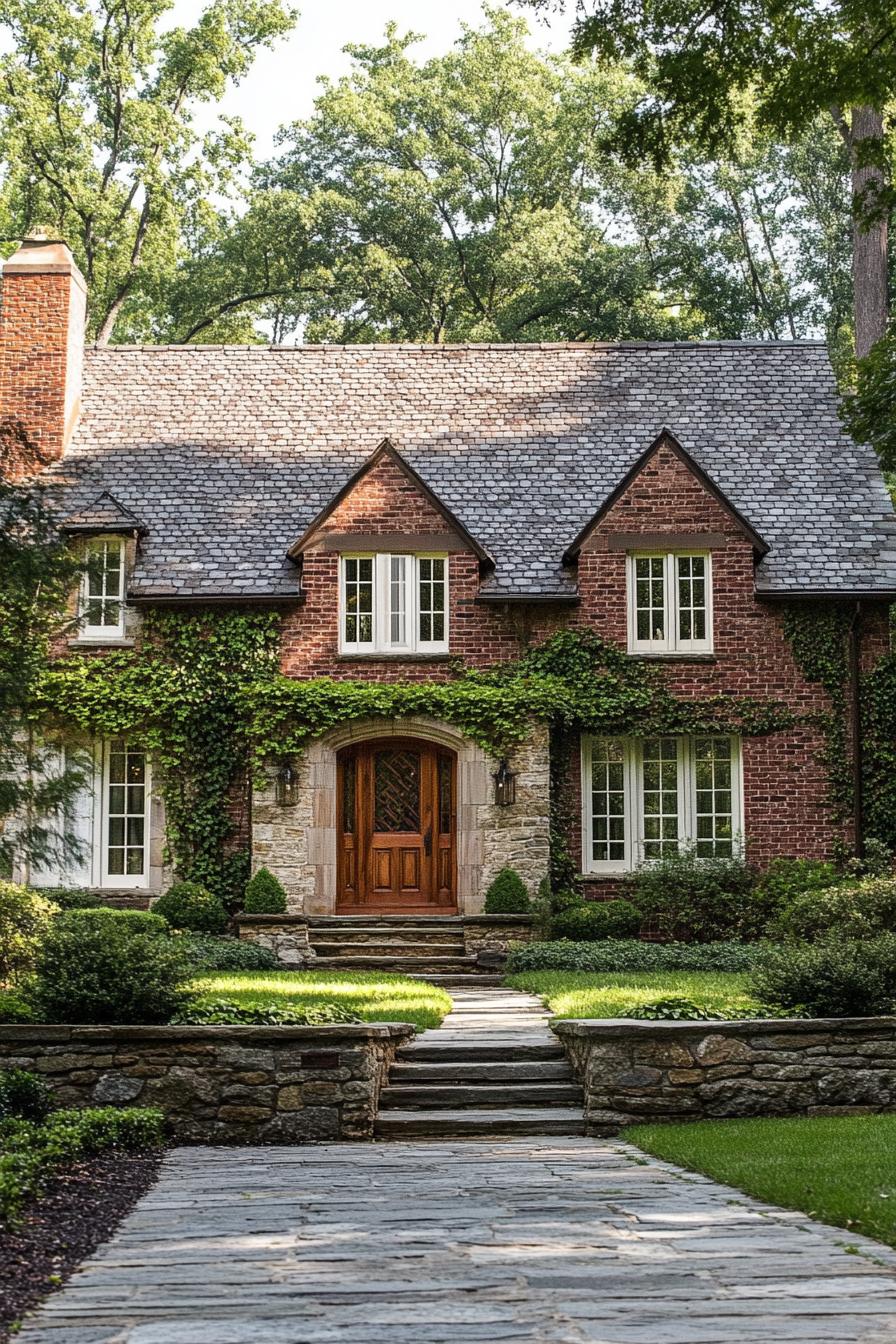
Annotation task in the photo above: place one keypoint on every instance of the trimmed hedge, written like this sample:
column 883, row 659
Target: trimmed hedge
column 835, row 977
column 630, row 954
column 189, row 905
column 32, row 1152
column 135, row 921
column 592, row 921
column 265, row 894
column 507, row 895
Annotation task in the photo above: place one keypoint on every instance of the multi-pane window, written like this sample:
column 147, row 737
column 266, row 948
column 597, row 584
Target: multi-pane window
column 101, row 606
column 647, row 797
column 394, row 604
column 126, row 798
column 670, row 603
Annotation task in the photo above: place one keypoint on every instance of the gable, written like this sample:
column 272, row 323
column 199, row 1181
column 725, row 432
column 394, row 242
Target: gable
column 387, row 506
column 666, row 498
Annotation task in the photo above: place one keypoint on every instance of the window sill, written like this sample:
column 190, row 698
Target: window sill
column 675, row 657
column 394, row 657
column 97, row 642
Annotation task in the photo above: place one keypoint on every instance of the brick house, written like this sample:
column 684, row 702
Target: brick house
column 410, row 509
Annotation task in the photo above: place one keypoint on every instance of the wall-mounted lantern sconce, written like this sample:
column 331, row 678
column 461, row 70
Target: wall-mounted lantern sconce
column 287, row 787
column 505, row 785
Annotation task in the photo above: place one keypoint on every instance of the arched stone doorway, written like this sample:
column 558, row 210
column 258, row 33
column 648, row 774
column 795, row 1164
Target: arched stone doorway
column 396, row 827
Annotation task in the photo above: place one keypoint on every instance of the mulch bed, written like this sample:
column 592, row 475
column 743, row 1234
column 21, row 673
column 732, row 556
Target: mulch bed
column 80, row 1209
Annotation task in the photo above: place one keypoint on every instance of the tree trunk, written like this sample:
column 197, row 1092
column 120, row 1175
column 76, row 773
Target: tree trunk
column 871, row 214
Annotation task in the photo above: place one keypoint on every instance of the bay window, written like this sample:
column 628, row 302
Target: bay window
column 393, row 604
column 644, row 798
column 669, row 603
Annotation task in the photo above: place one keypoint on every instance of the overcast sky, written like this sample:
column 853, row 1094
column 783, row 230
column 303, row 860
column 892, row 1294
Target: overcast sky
column 282, row 84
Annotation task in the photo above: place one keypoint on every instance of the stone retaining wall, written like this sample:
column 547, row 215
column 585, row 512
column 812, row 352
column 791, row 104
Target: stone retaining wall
column 221, row 1084
column 635, row 1072
column 284, row 935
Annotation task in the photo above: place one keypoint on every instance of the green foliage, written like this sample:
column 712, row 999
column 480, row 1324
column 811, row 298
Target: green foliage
column 15, row 1007
column 265, row 894
column 24, row 919
column 879, row 751
column 817, row 633
column 669, row 1010
column 852, row 910
column 631, row 955
column 224, row 1012
column 24, row 1096
column 507, row 895
column 189, row 905
column 37, row 573
column 834, row 977
column 30, row 1153
column 72, row 898
column 786, row 879
column 870, row 415
column 206, row 953
column 591, row 921
column 107, row 971
column 706, row 900
column 609, row 994
column 134, row 921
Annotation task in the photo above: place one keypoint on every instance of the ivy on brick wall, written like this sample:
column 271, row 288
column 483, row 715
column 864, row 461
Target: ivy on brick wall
column 879, row 750
column 817, row 632
column 205, row 696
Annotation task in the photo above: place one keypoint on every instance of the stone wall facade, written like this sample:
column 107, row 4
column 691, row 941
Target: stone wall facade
column 298, row 843
column 220, row 1084
column 644, row 1072
column 289, row 936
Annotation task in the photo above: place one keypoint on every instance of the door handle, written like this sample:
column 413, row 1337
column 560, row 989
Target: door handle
column 427, row 841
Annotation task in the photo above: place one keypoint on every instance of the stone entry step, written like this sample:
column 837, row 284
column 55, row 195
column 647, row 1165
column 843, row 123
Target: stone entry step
column 452, row 1096
column 361, row 935
column 405, row 1074
column 391, row 951
column 469, row 1122
column 397, row 964
column 458, row 981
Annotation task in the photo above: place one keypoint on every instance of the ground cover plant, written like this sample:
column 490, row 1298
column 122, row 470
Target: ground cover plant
column 839, row 1169
column 614, row 994
column 631, row 954
column 369, row 996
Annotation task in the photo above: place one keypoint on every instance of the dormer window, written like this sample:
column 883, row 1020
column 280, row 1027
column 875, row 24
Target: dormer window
column 669, row 603
column 393, row 604
column 101, row 599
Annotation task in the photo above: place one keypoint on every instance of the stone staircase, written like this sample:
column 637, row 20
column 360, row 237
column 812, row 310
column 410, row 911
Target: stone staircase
column 492, row 1068
column 429, row 947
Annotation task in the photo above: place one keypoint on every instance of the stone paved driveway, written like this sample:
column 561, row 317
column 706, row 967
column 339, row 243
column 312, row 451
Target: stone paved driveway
column 504, row 1240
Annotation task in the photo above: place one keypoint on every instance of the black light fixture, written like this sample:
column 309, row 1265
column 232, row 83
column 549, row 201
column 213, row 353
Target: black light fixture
column 505, row 785
column 287, row 788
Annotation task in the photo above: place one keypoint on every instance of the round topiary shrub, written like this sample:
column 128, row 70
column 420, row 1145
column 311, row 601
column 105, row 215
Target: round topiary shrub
column 592, row 921
column 187, row 905
column 102, row 971
column 265, row 895
column 507, row 895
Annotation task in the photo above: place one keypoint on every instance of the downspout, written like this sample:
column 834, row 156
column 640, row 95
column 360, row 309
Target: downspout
column 855, row 728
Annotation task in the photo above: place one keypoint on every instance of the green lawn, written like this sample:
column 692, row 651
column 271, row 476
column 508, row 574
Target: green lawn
column 591, row 994
column 840, row 1170
column 370, row 995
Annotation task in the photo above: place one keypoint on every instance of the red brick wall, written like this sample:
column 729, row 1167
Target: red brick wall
column 41, row 347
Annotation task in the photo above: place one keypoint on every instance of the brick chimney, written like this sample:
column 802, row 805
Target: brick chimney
column 43, row 303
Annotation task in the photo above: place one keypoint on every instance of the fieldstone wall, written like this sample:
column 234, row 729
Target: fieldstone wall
column 284, row 935
column 221, row 1084
column 287, row 936
column 298, row 843
column 495, row 933
column 635, row 1072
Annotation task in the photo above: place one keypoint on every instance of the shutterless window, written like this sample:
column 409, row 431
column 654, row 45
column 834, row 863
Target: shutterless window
column 646, row 798
column 670, row 603
column 102, row 588
column 394, row 604
column 125, row 815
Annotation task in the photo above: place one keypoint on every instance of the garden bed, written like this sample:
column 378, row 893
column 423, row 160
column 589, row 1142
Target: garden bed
column 573, row 994
column 80, row 1208
column 369, row 996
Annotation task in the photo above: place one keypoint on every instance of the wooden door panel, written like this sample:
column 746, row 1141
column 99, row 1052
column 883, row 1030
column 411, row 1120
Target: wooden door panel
column 396, row 826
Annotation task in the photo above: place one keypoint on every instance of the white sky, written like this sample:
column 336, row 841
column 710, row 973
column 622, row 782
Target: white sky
column 281, row 86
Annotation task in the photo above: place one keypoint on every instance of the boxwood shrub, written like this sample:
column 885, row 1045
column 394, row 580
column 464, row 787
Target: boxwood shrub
column 851, row 909
column 834, row 977
column 507, row 895
column 265, row 894
column 189, row 905
column 630, row 954
column 590, row 921
column 203, row 952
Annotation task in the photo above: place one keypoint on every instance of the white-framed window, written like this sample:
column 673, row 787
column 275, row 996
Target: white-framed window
column 101, row 599
column 643, row 798
column 669, row 602
column 393, row 603
column 124, row 822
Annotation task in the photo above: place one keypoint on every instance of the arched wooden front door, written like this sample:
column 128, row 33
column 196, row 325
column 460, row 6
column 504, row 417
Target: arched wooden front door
column 396, row 828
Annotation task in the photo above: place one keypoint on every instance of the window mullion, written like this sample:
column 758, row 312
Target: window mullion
column 687, row 828
column 672, row 613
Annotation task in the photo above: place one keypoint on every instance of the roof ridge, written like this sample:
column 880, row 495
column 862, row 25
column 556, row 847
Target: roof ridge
column 449, row 346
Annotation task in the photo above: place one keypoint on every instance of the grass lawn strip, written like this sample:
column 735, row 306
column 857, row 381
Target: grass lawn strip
column 838, row 1169
column 369, row 995
column 601, row 995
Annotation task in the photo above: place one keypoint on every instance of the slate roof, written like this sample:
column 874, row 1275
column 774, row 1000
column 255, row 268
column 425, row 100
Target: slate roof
column 226, row 454
column 104, row 514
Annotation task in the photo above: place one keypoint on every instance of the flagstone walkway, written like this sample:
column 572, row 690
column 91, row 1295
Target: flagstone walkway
column 552, row 1241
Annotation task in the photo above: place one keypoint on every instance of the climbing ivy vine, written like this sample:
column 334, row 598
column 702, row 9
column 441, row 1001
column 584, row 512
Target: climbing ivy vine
column 818, row 632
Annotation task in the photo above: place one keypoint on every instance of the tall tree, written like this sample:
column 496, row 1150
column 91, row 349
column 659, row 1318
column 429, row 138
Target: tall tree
column 97, row 133
column 466, row 198
column 699, row 61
